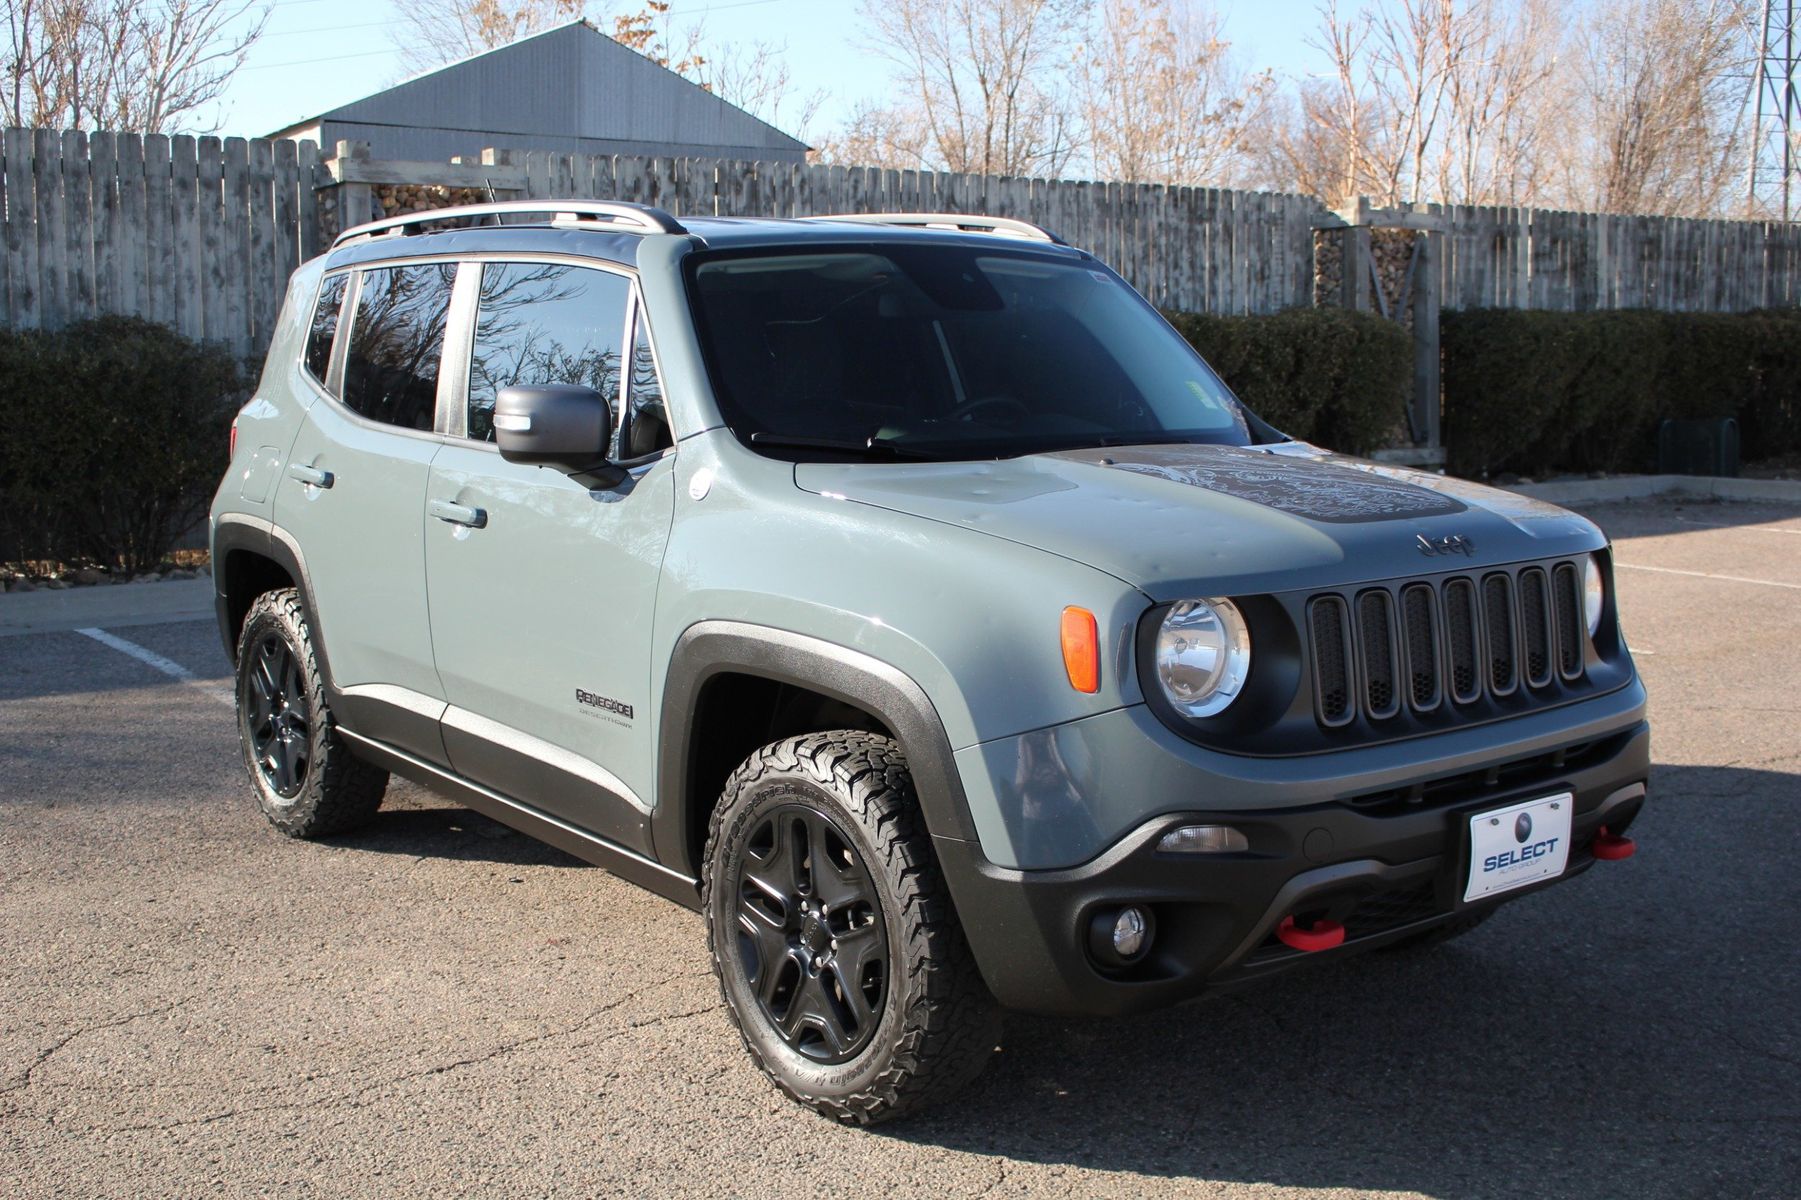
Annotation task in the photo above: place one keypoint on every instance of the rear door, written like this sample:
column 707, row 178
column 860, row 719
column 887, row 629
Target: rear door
column 541, row 590
column 353, row 498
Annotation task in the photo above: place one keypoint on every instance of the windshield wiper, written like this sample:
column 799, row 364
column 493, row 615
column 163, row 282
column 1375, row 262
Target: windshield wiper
column 869, row 448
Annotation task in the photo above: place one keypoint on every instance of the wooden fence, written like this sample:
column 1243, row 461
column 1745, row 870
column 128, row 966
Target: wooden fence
column 1578, row 262
column 197, row 233
column 201, row 233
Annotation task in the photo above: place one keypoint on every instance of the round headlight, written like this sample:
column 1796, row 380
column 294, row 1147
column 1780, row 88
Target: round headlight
column 1203, row 656
column 1594, row 593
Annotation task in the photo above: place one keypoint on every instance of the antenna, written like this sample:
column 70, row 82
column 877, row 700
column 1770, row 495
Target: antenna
column 1775, row 175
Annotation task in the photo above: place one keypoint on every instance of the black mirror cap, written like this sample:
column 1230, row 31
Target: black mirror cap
column 561, row 425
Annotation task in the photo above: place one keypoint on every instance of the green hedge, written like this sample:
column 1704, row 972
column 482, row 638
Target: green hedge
column 1541, row 392
column 115, row 436
column 1326, row 375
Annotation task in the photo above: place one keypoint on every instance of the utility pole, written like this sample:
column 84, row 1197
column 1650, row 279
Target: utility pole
column 1775, row 179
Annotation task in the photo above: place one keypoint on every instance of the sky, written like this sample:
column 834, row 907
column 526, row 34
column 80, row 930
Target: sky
column 318, row 54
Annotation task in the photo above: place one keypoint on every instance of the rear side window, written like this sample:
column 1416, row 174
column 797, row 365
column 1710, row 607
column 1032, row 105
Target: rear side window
column 325, row 325
column 396, row 341
column 545, row 323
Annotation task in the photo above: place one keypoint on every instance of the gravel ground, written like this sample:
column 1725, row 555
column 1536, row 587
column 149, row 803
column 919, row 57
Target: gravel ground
column 191, row 1004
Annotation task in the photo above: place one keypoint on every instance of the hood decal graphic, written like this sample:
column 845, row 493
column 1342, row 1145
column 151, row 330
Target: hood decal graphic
column 1311, row 489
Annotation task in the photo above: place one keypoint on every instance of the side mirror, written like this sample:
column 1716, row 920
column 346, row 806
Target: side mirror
column 565, row 426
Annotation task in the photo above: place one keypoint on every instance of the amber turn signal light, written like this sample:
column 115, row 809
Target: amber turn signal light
column 1081, row 650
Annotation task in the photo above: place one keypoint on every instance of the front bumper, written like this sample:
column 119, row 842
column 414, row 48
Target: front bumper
column 1384, row 866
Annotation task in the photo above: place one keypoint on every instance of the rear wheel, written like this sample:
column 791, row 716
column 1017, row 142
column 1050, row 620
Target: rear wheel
column 838, row 954
column 307, row 781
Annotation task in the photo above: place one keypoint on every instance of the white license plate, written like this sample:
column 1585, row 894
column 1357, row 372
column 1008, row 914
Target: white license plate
column 1520, row 844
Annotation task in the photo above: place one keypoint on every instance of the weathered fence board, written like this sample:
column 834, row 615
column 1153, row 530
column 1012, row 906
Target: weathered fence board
column 1577, row 262
column 200, row 234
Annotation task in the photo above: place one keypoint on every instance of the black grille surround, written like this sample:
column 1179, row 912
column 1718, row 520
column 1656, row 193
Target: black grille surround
column 1476, row 642
column 1381, row 661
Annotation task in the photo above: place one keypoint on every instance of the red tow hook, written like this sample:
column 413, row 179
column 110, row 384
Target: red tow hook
column 1612, row 847
column 1322, row 935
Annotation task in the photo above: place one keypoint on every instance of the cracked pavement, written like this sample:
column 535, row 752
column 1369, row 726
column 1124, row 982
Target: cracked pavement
column 190, row 1003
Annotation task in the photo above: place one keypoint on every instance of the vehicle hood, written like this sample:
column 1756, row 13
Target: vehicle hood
column 1186, row 520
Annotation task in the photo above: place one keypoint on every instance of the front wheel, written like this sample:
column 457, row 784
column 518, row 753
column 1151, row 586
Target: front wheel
column 837, row 951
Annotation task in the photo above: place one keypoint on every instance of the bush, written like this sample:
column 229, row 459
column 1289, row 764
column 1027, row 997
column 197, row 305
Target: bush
column 1541, row 392
column 1327, row 375
column 115, row 437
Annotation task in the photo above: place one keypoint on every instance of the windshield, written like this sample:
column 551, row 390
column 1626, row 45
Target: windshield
column 944, row 352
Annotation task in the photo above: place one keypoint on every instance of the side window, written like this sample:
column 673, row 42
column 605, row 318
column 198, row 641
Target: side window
column 325, row 324
column 649, row 426
column 396, row 339
column 544, row 323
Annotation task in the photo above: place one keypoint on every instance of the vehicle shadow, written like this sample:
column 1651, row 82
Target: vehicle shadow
column 453, row 833
column 1632, row 1033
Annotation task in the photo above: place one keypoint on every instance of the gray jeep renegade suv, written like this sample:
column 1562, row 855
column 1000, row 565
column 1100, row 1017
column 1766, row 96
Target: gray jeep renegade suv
column 907, row 596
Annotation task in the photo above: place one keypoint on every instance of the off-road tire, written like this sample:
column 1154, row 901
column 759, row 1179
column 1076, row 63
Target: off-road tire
column 938, row 1025
column 1438, row 935
column 337, row 791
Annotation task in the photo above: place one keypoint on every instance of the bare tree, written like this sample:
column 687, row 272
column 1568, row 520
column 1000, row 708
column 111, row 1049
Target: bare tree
column 980, row 81
column 117, row 64
column 435, row 32
column 755, row 77
column 1658, row 107
column 1505, row 102
column 1162, row 100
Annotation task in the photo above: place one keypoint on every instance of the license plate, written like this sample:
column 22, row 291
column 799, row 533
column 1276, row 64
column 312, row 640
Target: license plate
column 1520, row 844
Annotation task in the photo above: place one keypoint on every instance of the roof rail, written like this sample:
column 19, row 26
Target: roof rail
column 963, row 222
column 617, row 215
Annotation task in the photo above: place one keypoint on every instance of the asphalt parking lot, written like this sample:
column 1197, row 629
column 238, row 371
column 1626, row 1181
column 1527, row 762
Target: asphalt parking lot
column 191, row 1004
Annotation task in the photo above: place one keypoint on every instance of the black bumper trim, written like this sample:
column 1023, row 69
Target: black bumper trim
column 1215, row 915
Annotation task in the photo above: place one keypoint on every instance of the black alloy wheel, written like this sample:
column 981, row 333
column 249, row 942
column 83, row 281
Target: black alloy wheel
column 811, row 937
column 307, row 781
column 277, row 717
column 832, row 934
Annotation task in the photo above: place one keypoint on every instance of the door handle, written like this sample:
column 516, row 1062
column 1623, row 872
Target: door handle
column 310, row 475
column 458, row 514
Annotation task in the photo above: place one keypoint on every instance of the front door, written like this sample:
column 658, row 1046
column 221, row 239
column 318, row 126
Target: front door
column 542, row 591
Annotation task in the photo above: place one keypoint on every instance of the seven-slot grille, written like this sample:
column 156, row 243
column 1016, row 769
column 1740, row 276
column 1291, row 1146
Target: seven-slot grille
column 1428, row 642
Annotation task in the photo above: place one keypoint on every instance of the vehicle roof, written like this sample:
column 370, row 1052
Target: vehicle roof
column 714, row 233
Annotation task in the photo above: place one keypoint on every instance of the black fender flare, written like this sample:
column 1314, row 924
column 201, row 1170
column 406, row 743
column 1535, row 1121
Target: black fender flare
column 711, row 648
column 234, row 532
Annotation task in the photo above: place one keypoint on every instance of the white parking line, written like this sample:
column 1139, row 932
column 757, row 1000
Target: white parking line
column 1746, row 528
column 1710, row 575
column 167, row 666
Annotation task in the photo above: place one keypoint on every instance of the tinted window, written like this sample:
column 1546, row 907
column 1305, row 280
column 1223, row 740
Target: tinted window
column 391, row 369
column 325, row 325
column 949, row 351
column 650, row 421
column 542, row 323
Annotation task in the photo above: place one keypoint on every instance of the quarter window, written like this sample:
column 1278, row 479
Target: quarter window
column 325, row 325
column 544, row 323
column 396, row 341
column 649, row 427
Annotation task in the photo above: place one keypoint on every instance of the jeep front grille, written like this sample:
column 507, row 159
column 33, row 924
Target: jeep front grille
column 1415, row 645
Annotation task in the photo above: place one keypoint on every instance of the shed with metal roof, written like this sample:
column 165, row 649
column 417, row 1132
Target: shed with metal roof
column 570, row 90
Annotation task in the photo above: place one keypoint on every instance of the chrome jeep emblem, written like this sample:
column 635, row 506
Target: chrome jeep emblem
column 1454, row 543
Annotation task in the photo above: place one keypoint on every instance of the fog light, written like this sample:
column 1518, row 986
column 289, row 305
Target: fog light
column 1203, row 839
column 1129, row 929
column 1119, row 937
